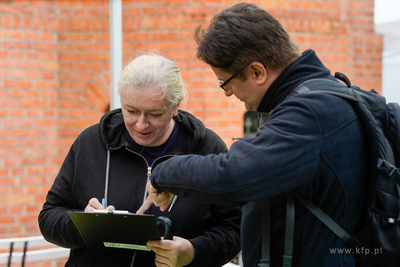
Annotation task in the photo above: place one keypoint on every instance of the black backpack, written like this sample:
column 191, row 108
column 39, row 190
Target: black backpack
column 378, row 244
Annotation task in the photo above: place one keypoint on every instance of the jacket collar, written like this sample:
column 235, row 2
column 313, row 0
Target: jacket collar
column 307, row 66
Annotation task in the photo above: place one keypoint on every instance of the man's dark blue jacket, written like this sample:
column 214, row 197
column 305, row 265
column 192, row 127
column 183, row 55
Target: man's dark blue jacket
column 313, row 145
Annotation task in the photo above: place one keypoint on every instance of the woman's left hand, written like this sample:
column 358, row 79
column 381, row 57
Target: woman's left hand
column 172, row 253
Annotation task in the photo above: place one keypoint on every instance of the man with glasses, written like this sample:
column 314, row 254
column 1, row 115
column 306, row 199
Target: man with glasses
column 313, row 145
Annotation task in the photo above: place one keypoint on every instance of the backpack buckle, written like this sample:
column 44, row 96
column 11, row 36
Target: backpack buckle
column 386, row 167
column 264, row 263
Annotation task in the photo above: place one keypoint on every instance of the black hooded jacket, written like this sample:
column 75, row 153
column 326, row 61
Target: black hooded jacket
column 212, row 229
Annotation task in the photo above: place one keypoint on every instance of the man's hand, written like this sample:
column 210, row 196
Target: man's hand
column 160, row 199
column 172, row 253
column 94, row 204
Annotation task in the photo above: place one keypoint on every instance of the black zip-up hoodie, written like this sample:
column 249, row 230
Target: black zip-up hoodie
column 212, row 229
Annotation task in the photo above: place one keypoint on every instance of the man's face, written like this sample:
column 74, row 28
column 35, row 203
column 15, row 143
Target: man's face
column 244, row 90
column 147, row 117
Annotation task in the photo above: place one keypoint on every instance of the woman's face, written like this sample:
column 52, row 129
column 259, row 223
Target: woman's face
column 147, row 116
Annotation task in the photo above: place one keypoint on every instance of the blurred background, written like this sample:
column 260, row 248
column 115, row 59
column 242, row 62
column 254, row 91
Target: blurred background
column 387, row 23
column 60, row 58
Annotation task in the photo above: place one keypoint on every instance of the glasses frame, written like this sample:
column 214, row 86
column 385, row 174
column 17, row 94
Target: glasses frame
column 227, row 81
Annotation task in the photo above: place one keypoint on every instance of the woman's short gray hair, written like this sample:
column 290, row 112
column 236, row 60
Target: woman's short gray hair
column 151, row 71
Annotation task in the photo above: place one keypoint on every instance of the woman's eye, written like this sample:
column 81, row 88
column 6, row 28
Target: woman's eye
column 156, row 115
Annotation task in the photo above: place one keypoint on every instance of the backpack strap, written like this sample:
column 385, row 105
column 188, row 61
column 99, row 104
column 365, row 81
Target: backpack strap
column 320, row 84
column 331, row 224
column 266, row 230
column 289, row 231
column 265, row 237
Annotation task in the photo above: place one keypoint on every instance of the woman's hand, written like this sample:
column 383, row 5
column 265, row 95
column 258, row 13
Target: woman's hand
column 94, row 204
column 172, row 253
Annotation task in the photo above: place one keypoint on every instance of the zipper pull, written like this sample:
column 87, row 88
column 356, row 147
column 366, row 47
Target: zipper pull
column 148, row 173
column 148, row 179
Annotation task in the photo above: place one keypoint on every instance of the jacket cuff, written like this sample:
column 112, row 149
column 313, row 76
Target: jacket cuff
column 155, row 185
column 200, row 254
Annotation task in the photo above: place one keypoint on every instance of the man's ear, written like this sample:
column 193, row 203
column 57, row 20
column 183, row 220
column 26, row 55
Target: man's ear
column 258, row 72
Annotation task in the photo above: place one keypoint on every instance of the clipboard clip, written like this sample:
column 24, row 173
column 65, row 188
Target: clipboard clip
column 166, row 222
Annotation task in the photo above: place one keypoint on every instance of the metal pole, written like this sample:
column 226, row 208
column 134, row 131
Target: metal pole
column 24, row 255
column 115, row 50
column 10, row 254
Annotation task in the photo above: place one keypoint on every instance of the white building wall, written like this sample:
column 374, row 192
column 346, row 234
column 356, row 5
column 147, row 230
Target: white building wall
column 387, row 23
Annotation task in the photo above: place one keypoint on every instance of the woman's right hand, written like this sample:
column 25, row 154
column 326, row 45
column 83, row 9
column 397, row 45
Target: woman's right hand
column 94, row 204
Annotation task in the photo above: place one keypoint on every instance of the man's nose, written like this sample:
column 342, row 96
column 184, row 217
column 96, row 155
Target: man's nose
column 228, row 91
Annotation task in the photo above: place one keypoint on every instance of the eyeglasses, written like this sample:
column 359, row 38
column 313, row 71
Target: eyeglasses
column 223, row 84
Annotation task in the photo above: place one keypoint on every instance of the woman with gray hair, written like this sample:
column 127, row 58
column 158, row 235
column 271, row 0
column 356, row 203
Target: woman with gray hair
column 114, row 160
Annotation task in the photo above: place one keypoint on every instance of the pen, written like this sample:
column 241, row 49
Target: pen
column 104, row 202
column 172, row 203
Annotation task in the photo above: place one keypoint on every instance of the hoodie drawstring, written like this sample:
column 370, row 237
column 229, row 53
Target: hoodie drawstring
column 107, row 176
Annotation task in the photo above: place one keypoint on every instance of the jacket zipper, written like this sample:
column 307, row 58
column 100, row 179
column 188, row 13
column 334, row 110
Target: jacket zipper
column 149, row 169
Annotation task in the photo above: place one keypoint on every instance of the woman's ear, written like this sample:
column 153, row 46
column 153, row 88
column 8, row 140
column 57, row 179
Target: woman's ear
column 175, row 113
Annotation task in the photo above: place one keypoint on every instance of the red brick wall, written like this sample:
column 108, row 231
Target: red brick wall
column 28, row 112
column 54, row 78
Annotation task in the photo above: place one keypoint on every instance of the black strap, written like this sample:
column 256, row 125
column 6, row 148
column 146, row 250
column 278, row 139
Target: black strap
column 289, row 231
column 328, row 221
column 266, row 230
column 290, row 217
column 321, row 85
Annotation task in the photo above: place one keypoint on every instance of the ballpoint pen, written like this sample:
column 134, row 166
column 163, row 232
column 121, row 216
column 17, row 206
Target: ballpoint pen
column 172, row 203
